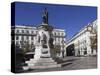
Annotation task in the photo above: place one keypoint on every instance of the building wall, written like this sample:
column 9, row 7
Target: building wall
column 24, row 34
column 82, row 40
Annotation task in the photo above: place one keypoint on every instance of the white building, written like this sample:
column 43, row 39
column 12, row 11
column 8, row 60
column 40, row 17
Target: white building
column 84, row 42
column 22, row 35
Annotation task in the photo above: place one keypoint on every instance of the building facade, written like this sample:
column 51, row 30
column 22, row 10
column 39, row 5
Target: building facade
column 84, row 42
column 27, row 36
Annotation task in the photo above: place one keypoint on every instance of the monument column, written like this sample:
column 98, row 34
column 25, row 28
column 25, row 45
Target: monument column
column 43, row 57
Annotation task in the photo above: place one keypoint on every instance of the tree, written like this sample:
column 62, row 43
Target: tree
column 26, row 47
column 94, row 42
column 93, row 39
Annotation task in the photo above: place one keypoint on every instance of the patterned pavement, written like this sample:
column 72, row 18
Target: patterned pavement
column 74, row 63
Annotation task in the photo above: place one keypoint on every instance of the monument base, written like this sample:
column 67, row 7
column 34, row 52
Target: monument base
column 41, row 63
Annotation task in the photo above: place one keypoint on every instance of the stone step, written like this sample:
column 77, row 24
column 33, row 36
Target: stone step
column 42, row 64
column 45, row 56
column 45, row 67
column 41, row 67
column 41, row 61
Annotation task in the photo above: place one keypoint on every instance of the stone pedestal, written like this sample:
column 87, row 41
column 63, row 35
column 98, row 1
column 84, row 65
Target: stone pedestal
column 43, row 56
column 41, row 63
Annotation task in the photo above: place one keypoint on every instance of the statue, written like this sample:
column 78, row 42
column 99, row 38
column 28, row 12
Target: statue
column 44, row 40
column 43, row 57
column 45, row 16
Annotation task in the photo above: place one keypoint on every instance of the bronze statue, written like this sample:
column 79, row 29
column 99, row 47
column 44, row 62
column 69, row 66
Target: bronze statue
column 45, row 16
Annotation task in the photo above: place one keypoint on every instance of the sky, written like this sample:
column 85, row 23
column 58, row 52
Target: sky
column 69, row 17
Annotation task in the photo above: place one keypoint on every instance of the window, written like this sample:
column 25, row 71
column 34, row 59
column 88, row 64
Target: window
column 17, row 44
column 55, row 33
column 22, row 31
column 25, row 42
column 62, row 40
column 27, row 31
column 17, row 31
column 58, row 33
column 62, row 34
column 32, row 32
column 32, row 38
column 17, row 37
column 22, row 37
column 20, row 42
column 27, row 37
